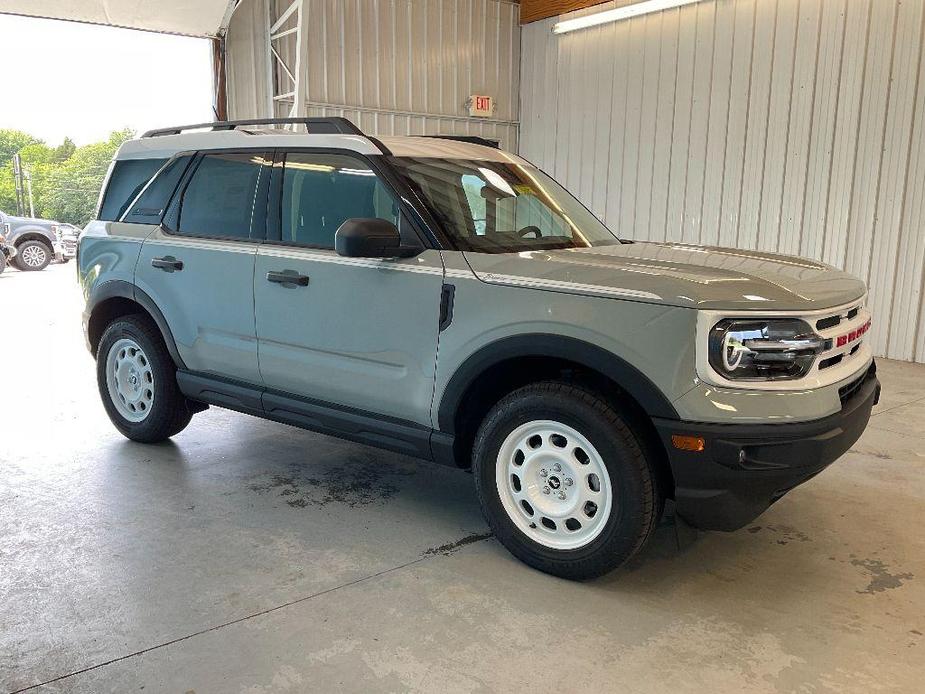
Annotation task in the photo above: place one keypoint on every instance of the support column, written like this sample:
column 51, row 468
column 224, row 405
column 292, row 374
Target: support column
column 287, row 81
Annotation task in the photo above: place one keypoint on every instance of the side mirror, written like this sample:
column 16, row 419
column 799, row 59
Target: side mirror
column 371, row 238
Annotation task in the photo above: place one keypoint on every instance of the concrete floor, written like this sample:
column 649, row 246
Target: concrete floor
column 250, row 556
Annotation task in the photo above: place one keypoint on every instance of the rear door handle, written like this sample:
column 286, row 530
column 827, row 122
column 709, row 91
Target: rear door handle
column 288, row 278
column 168, row 263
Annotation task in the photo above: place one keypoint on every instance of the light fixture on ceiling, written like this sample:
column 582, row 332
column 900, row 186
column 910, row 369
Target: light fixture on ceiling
column 615, row 15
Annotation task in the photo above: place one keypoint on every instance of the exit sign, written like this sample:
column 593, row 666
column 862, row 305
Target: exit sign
column 482, row 106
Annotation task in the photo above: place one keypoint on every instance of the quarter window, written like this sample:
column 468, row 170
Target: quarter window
column 322, row 191
column 223, row 198
column 127, row 178
column 150, row 205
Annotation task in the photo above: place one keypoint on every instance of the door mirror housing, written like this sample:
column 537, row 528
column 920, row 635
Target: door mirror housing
column 363, row 237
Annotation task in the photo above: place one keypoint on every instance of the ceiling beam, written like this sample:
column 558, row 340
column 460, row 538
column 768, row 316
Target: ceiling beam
column 534, row 10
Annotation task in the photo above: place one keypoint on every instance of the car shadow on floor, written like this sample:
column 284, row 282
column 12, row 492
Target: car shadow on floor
column 305, row 478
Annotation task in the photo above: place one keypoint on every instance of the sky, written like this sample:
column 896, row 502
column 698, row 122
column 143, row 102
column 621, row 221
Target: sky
column 83, row 81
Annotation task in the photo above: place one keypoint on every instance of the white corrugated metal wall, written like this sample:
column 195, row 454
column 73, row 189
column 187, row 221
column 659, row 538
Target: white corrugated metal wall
column 246, row 70
column 392, row 66
column 788, row 125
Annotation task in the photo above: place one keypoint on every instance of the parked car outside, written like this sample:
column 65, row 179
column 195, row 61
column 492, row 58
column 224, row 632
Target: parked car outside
column 451, row 301
column 38, row 241
column 67, row 236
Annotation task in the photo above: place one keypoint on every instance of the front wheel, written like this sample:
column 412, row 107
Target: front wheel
column 33, row 256
column 563, row 481
column 137, row 380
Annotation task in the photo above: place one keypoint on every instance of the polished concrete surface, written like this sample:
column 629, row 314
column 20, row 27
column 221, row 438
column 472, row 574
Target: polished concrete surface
column 247, row 556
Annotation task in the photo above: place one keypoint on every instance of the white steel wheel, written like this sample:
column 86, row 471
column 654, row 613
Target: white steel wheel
column 130, row 380
column 553, row 484
column 34, row 256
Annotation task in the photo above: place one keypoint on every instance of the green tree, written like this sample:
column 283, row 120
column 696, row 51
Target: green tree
column 38, row 163
column 64, row 151
column 70, row 191
column 11, row 142
column 7, row 189
column 36, row 153
column 66, row 179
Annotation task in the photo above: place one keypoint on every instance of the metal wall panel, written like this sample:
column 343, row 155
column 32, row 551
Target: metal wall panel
column 247, row 71
column 394, row 66
column 795, row 126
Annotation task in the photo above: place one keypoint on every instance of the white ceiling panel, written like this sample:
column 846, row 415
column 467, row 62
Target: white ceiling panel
column 199, row 18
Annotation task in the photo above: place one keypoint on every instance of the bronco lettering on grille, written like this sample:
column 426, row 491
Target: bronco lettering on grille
column 843, row 340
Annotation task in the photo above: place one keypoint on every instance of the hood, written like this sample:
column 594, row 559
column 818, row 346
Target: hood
column 676, row 275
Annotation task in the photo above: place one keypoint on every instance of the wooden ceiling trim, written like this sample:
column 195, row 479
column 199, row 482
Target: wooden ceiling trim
column 534, row 10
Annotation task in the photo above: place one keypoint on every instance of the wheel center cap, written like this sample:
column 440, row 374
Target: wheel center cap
column 554, row 482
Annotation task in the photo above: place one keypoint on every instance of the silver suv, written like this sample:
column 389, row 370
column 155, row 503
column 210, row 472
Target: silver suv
column 442, row 298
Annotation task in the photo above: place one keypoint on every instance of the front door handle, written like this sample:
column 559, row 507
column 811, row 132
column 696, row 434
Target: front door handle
column 168, row 263
column 288, row 278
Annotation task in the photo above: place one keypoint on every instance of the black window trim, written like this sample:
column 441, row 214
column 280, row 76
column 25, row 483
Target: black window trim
column 170, row 220
column 167, row 164
column 107, row 184
column 410, row 210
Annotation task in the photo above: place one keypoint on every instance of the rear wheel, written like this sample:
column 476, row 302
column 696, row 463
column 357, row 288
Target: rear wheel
column 33, row 256
column 563, row 481
column 137, row 382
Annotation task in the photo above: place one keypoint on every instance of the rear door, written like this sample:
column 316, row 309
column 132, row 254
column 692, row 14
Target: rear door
column 356, row 332
column 198, row 266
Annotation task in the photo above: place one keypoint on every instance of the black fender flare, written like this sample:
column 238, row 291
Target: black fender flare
column 33, row 233
column 621, row 372
column 112, row 289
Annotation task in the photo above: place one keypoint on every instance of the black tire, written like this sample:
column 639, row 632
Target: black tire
column 2, row 262
column 636, row 502
column 39, row 247
column 171, row 411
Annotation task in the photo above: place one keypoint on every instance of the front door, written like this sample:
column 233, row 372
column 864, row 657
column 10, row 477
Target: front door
column 198, row 267
column 359, row 333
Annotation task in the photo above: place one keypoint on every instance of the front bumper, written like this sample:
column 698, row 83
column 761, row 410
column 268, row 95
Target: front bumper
column 64, row 250
column 744, row 468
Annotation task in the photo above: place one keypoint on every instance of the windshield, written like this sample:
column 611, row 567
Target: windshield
column 502, row 207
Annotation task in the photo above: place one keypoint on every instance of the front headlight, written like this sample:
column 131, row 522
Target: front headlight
column 763, row 350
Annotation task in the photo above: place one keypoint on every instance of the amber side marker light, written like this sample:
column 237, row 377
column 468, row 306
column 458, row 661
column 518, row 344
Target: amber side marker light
column 687, row 443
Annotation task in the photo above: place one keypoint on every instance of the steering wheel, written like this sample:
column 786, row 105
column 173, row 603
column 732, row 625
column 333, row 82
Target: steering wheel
column 532, row 229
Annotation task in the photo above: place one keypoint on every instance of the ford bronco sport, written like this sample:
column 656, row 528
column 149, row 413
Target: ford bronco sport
column 448, row 300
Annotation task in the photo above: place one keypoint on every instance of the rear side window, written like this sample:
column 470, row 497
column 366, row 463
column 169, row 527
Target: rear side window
column 322, row 191
column 150, row 206
column 226, row 197
column 127, row 179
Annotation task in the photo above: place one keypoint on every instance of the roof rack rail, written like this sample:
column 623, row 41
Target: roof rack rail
column 315, row 126
column 471, row 139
